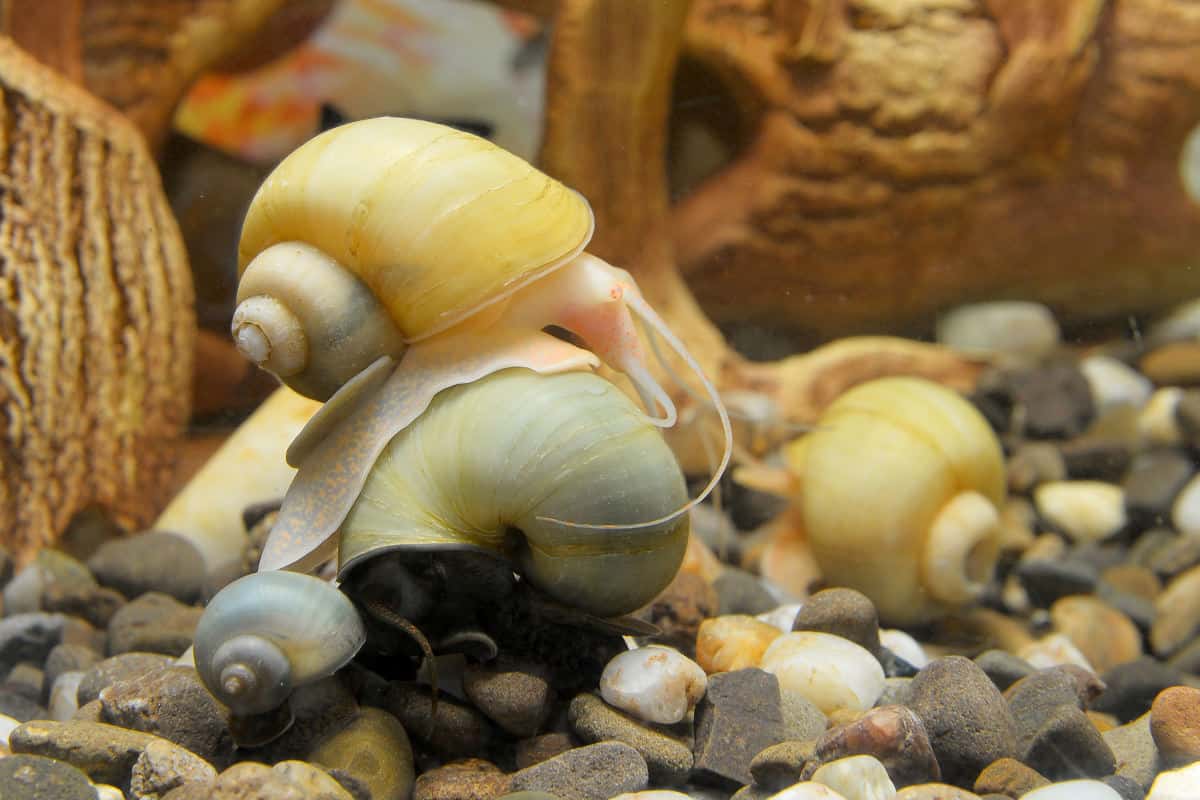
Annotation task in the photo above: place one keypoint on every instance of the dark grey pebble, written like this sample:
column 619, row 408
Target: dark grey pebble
column 1068, row 746
column 1046, row 581
column 1153, row 481
column 154, row 623
column 126, row 666
column 28, row 681
column 965, row 717
column 172, row 703
column 1128, row 788
column 156, row 561
column 1140, row 611
column 739, row 716
column 1056, row 400
column 739, row 592
column 27, row 776
column 894, row 666
column 460, row 732
column 1037, row 697
column 19, row 707
column 1003, row 667
column 842, row 612
column 318, row 711
column 50, row 571
column 596, row 772
column 1132, row 687
column 1096, row 458
column 668, row 760
column 68, row 658
column 28, row 637
column 516, row 695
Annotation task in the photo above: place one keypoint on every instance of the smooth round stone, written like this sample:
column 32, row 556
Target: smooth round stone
column 64, row 695
column 30, row 776
column 808, row 790
column 1034, row 463
column 733, row 642
column 1175, row 724
column 654, row 794
column 1014, row 328
column 904, row 646
column 1053, row 651
column 1174, row 364
column 1074, row 790
column 374, row 749
column 1176, row 784
column 782, row 617
column 1157, row 422
column 842, row 612
column 1178, row 613
column 830, row 671
column 1086, row 511
column 1104, row 635
column 1185, row 511
column 1115, row 383
column 653, row 683
column 857, row 778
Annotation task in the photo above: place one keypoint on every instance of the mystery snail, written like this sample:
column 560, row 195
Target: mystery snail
column 485, row 469
column 389, row 259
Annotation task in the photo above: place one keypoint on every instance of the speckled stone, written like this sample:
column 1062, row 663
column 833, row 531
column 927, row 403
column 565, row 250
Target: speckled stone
column 470, row 779
column 596, row 772
column 1132, row 687
column 126, row 666
column 38, row 778
column 106, row 753
column 801, row 719
column 1008, row 777
column 314, row 781
column 1175, row 724
column 68, row 658
column 893, row 734
column 1104, row 635
column 739, row 717
column 842, row 612
column 515, row 695
column 1133, row 747
column 1036, row 697
column 374, row 750
column 155, row 561
column 1003, row 667
column 967, row 720
column 781, row 765
column 153, row 623
column 667, row 759
column 537, row 749
column 1068, row 746
column 163, row 766
column 460, row 732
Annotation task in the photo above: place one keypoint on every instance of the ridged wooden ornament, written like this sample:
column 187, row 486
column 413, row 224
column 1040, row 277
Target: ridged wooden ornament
column 96, row 320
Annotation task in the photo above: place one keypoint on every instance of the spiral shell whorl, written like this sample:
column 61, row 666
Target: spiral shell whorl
column 437, row 222
column 267, row 633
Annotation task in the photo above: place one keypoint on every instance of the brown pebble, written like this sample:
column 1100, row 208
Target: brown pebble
column 470, row 779
column 934, row 791
column 1175, row 724
column 1134, row 579
column 1174, row 364
column 537, row 749
column 1178, row 615
column 1103, row 722
column 1104, row 635
column 893, row 734
column 1010, row 777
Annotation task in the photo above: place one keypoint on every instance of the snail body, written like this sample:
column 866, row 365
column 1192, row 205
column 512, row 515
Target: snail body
column 933, row 471
column 432, row 248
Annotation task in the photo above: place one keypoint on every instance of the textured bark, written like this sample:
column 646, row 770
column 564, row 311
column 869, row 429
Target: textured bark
column 96, row 317
column 909, row 155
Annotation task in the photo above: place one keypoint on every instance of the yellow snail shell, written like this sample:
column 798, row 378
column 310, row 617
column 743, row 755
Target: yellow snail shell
column 900, row 485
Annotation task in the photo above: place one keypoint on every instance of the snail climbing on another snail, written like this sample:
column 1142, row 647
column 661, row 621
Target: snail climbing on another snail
column 389, row 259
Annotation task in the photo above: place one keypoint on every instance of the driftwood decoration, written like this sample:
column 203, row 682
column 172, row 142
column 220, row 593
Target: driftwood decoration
column 96, row 318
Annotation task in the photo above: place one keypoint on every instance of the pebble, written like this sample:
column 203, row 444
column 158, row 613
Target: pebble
column 1104, row 635
column 1096, row 457
column 155, row 561
column 374, row 750
column 967, row 720
column 319, row 710
column 830, row 671
column 537, row 749
column 1132, row 687
column 31, row 776
column 1034, row 463
column 461, row 780
column 515, row 695
column 1133, row 747
column 681, row 608
column 1174, row 364
column 729, row 643
column 1133, row 578
column 1175, row 724
column 314, row 781
column 739, row 592
column 801, row 719
column 857, row 778
column 739, row 717
column 1056, row 400
column 894, row 735
column 1126, row 787
column 842, row 612
column 163, row 766
column 1054, row 650
column 937, row 791
column 1158, row 422
column 1048, row 581
column 595, row 772
column 174, row 704
column 1086, row 511
column 105, row 752
column 1016, row 328
column 1187, row 414
column 1176, row 784
column 50, row 572
column 807, row 791
column 1008, row 777
column 64, row 695
column 1068, row 746
column 68, row 658
column 1003, row 667
column 667, row 759
column 460, row 732
column 1035, row 698
column 1178, row 618
column 126, row 666
column 28, row 637
column 782, row 765
column 1185, row 510
column 1114, row 383
column 153, row 623
column 782, row 617
column 1152, row 483
column 1074, row 790
column 653, row 683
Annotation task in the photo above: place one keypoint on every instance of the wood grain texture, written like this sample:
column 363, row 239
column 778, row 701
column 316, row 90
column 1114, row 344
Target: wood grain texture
column 96, row 320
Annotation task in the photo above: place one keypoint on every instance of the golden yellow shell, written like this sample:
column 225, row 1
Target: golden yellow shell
column 435, row 221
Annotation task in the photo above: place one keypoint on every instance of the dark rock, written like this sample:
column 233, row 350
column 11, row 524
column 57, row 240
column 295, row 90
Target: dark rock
column 50, row 570
column 842, row 612
column 460, row 732
column 318, row 711
column 153, row 623
column 1046, row 581
column 28, row 637
column 515, row 695
column 537, row 749
column 28, row 681
column 1131, row 687
column 894, row 666
column 739, row 592
column 1003, row 667
column 462, row 780
column 965, row 717
column 593, row 720
column 19, row 707
column 893, row 734
column 27, row 776
column 68, row 658
column 126, row 666
column 596, row 772
column 96, row 604
column 1153, row 481
column 156, row 561
column 781, row 765
column 1094, row 458
column 1035, row 698
column 1055, row 399
column 738, row 717
column 1128, row 788
column 1068, row 746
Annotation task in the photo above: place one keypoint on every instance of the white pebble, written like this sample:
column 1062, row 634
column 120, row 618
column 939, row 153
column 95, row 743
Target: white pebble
column 1086, row 511
column 653, row 794
column 1053, row 651
column 1115, row 383
column 781, row 617
column 807, row 791
column 654, row 683
column 1176, row 784
column 106, row 792
column 7, row 724
column 857, row 778
column 1185, row 511
column 1157, row 423
column 904, row 646
column 63, row 702
column 1074, row 790
column 829, row 671
column 1005, row 327
column 1181, row 323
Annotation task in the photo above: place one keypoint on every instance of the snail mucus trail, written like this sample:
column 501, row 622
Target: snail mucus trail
column 405, row 273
